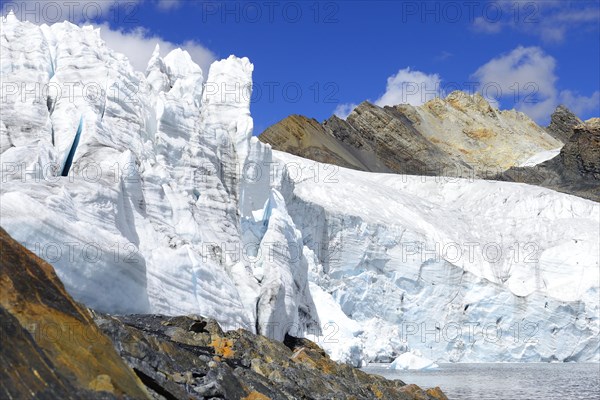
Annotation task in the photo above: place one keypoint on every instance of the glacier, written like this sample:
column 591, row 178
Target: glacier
column 169, row 205
column 460, row 270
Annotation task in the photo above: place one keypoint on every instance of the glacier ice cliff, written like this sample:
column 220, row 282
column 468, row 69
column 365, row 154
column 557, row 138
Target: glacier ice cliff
column 170, row 205
column 149, row 217
column 460, row 270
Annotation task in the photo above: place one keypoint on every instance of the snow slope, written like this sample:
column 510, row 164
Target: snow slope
column 148, row 193
column 540, row 158
column 460, row 270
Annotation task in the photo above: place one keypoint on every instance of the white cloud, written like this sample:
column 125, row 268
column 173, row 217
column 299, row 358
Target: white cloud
column 481, row 24
column 168, row 4
column 407, row 86
column 412, row 87
column 343, row 110
column 539, row 110
column 443, row 56
column 522, row 65
column 554, row 33
column 138, row 45
column 581, row 104
column 551, row 20
column 526, row 74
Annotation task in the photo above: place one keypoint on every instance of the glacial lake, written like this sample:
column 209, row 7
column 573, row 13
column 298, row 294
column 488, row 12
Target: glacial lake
column 495, row 381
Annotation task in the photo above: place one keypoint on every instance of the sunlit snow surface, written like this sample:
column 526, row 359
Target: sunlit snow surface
column 171, row 206
column 540, row 158
column 460, row 270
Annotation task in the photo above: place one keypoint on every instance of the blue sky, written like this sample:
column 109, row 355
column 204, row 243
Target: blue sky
column 317, row 58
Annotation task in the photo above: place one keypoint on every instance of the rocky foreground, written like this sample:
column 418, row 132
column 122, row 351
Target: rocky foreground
column 191, row 357
column 53, row 349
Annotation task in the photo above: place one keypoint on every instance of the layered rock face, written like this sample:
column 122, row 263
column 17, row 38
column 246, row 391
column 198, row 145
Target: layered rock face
column 575, row 170
column 373, row 139
column 459, row 136
column 309, row 139
column 51, row 347
column 192, row 358
column 562, row 123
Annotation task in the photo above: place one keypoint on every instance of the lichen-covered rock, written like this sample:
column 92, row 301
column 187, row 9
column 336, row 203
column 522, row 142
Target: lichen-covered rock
column 51, row 348
column 191, row 357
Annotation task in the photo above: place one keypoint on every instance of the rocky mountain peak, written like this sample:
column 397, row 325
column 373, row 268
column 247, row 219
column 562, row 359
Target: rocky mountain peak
column 581, row 153
column 460, row 135
column 562, row 123
column 465, row 102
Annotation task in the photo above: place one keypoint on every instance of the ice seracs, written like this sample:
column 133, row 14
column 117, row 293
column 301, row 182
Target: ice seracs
column 169, row 205
column 465, row 270
column 147, row 218
column 412, row 361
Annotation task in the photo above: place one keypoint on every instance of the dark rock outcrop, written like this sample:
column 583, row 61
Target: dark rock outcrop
column 51, row 348
column 576, row 170
column 192, row 358
column 562, row 123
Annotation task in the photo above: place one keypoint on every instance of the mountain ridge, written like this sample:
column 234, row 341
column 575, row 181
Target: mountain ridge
column 460, row 135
